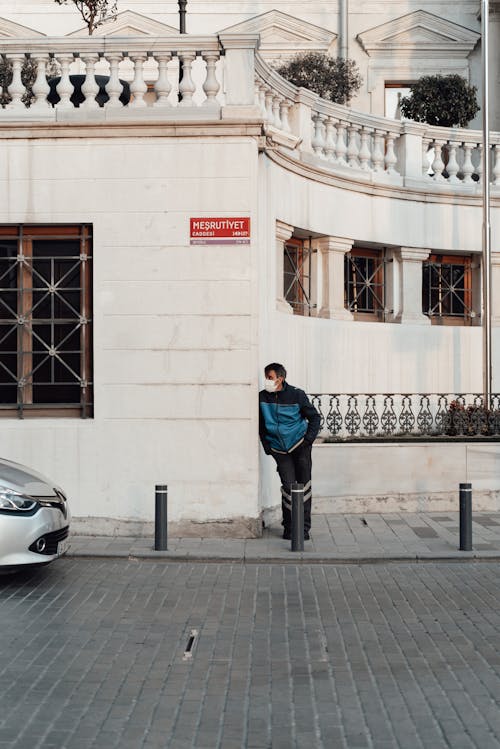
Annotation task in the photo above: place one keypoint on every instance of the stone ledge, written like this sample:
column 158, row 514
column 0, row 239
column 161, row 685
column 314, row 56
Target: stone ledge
column 237, row 527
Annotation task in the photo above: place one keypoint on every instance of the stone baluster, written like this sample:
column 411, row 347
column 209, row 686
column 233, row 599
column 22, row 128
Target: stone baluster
column 269, row 106
column 438, row 163
column 65, row 88
column 479, row 170
column 163, row 87
column 452, row 167
column 468, row 166
column 318, row 140
column 496, row 166
column 284, row 109
column 211, row 85
column 364, row 150
column 276, row 112
column 186, row 86
column 426, row 142
column 330, row 139
column 390, row 155
column 113, row 87
column 40, row 87
column 90, row 89
column 352, row 146
column 138, row 86
column 341, row 144
column 261, row 99
column 16, row 88
column 378, row 151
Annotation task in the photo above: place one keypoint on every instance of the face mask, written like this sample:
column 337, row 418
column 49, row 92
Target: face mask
column 270, row 385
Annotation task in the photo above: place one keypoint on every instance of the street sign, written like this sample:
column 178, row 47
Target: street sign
column 219, row 230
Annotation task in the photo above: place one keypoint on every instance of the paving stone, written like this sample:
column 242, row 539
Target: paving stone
column 350, row 656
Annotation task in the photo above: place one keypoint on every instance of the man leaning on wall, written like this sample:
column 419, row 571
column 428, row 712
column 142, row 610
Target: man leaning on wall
column 288, row 425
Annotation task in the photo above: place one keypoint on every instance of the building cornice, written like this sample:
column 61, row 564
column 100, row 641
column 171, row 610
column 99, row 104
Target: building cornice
column 136, row 129
column 399, row 189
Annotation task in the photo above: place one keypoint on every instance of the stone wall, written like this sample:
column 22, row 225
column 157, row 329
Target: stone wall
column 175, row 362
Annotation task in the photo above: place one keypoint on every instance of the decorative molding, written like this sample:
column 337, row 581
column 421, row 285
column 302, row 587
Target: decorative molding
column 282, row 35
column 415, row 254
column 129, row 23
column 408, row 189
column 421, row 34
column 334, row 244
column 17, row 31
column 283, row 231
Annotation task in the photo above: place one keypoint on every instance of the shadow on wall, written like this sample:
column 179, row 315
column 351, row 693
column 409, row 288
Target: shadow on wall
column 78, row 97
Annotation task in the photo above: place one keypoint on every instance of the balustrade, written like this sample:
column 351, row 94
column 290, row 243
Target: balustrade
column 150, row 67
column 394, row 416
column 97, row 73
column 458, row 161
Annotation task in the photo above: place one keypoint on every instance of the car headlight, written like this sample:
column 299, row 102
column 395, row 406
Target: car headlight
column 15, row 501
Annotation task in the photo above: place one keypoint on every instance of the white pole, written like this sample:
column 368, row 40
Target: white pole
column 487, row 369
column 343, row 29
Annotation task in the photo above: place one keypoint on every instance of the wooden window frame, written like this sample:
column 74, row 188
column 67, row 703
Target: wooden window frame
column 464, row 261
column 376, row 280
column 301, row 303
column 25, row 235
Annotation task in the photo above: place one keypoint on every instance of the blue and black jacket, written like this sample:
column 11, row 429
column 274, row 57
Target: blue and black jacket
column 286, row 419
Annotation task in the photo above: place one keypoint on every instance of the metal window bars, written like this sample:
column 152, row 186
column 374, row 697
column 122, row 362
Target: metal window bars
column 364, row 289
column 45, row 322
column 297, row 276
column 447, row 289
column 371, row 417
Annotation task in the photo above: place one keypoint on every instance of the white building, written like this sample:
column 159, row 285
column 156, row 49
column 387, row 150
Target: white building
column 132, row 344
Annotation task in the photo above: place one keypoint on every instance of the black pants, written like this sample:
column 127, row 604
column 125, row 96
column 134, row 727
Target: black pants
column 293, row 468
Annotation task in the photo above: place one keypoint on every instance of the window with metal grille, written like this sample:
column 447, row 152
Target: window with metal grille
column 364, row 281
column 297, row 276
column 447, row 289
column 46, row 321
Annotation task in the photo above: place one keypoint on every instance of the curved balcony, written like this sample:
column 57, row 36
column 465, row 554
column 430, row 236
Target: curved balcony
column 370, row 148
column 223, row 77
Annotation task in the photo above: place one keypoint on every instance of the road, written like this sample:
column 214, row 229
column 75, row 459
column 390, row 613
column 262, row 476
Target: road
column 97, row 654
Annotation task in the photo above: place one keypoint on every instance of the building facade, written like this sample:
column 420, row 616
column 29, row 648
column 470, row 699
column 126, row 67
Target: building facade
column 162, row 241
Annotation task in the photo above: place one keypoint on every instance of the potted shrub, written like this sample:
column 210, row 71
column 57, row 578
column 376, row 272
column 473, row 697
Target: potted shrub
column 444, row 100
column 333, row 78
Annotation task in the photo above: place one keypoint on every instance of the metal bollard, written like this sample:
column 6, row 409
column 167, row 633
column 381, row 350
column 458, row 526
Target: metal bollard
column 161, row 517
column 297, row 517
column 465, row 517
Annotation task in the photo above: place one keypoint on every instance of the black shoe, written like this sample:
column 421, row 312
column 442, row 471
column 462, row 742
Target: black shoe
column 287, row 534
column 307, row 537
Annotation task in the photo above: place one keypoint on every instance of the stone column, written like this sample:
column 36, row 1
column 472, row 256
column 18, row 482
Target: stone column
column 332, row 251
column 301, row 117
column 283, row 234
column 411, row 149
column 239, row 73
column 410, row 261
column 494, row 63
column 495, row 285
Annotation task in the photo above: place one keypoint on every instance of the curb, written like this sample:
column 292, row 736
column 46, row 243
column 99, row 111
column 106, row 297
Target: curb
column 287, row 557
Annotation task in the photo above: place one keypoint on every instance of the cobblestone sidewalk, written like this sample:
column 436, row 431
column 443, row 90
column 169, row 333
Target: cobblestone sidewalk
column 343, row 538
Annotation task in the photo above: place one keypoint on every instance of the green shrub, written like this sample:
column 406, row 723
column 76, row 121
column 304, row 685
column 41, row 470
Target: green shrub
column 445, row 100
column 333, row 78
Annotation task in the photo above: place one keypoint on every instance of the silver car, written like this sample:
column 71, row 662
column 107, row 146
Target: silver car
column 34, row 517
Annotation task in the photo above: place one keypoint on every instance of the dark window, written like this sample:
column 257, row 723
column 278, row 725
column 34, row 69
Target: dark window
column 364, row 283
column 297, row 276
column 447, row 289
column 45, row 320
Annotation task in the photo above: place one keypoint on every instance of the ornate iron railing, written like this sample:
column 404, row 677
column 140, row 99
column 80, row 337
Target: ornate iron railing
column 347, row 417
